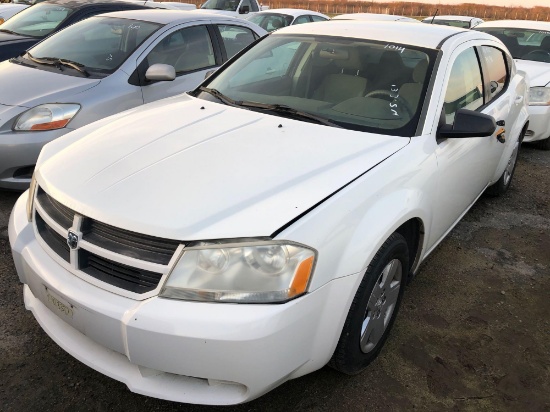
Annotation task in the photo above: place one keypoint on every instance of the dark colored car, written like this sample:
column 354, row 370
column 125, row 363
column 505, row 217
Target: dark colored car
column 39, row 21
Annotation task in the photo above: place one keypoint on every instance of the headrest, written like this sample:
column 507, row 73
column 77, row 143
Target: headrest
column 391, row 59
column 419, row 72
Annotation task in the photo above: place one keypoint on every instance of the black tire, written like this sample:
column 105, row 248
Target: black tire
column 542, row 144
column 503, row 183
column 354, row 351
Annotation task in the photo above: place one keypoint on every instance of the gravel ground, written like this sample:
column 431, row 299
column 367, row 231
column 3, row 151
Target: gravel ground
column 473, row 332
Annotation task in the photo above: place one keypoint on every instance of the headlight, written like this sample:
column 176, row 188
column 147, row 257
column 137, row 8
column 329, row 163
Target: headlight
column 251, row 272
column 539, row 96
column 47, row 117
column 30, row 199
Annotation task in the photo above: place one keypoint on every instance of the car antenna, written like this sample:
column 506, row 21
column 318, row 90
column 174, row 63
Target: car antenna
column 433, row 18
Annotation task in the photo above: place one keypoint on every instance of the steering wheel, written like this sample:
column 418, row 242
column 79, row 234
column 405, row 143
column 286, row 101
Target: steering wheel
column 389, row 96
column 544, row 56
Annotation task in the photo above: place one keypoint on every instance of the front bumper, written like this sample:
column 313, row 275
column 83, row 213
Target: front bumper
column 19, row 150
column 208, row 353
column 539, row 123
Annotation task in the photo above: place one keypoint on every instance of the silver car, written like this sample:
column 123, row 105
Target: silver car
column 102, row 66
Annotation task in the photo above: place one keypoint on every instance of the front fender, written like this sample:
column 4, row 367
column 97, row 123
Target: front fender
column 348, row 228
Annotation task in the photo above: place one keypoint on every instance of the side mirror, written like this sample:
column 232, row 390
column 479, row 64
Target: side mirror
column 244, row 9
column 468, row 124
column 160, row 72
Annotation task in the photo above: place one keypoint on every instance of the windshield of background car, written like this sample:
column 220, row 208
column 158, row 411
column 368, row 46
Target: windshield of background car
column 100, row 44
column 524, row 44
column 357, row 84
column 228, row 5
column 453, row 23
column 271, row 21
column 38, row 20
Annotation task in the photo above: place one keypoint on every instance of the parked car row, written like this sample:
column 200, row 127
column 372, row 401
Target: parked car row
column 205, row 247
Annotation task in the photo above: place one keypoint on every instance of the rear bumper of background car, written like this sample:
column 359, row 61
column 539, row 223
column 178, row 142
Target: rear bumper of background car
column 539, row 123
column 194, row 352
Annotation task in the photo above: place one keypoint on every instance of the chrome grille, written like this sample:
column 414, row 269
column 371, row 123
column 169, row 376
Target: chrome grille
column 103, row 250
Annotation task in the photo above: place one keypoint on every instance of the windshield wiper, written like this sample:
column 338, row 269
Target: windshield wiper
column 277, row 108
column 220, row 96
column 9, row 32
column 75, row 65
column 57, row 62
column 289, row 111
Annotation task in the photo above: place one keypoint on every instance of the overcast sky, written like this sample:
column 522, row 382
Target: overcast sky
column 524, row 3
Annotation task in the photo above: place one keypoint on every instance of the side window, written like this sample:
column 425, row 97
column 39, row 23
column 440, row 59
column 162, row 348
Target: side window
column 317, row 18
column 235, row 38
column 302, row 20
column 251, row 5
column 273, row 64
column 254, row 6
column 465, row 88
column 497, row 75
column 187, row 50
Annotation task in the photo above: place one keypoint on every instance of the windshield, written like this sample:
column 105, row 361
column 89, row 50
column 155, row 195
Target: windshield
column 100, row 44
column 38, row 20
column 228, row 5
column 524, row 44
column 271, row 21
column 353, row 83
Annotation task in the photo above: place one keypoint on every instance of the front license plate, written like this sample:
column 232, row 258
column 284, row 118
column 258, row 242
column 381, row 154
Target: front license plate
column 59, row 305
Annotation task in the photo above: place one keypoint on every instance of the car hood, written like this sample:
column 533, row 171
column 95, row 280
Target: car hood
column 538, row 73
column 189, row 169
column 28, row 87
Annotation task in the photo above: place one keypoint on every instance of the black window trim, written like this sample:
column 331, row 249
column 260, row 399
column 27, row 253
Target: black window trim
column 488, row 100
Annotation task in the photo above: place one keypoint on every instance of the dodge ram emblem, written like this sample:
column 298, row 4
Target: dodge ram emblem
column 72, row 239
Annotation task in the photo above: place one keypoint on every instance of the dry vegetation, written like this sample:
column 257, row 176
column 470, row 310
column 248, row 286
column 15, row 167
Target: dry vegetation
column 417, row 10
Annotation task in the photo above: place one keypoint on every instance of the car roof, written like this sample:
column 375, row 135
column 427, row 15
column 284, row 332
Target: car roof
column 516, row 24
column 373, row 17
column 166, row 16
column 421, row 35
column 290, row 12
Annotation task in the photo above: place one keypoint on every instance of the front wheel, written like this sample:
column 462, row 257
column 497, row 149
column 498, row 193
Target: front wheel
column 374, row 307
column 503, row 183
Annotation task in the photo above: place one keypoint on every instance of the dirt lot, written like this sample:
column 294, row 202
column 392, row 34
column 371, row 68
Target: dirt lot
column 473, row 333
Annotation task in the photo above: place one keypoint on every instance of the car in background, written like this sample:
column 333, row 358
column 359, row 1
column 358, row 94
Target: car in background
column 529, row 44
column 275, row 19
column 374, row 17
column 7, row 10
column 464, row 22
column 101, row 66
column 33, row 24
column 208, row 247
column 234, row 8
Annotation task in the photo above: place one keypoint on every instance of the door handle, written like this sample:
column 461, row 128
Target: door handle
column 500, row 133
column 518, row 99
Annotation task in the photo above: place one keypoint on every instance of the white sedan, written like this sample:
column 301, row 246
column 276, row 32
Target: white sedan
column 208, row 247
column 101, row 66
column 529, row 44
column 465, row 22
column 275, row 19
